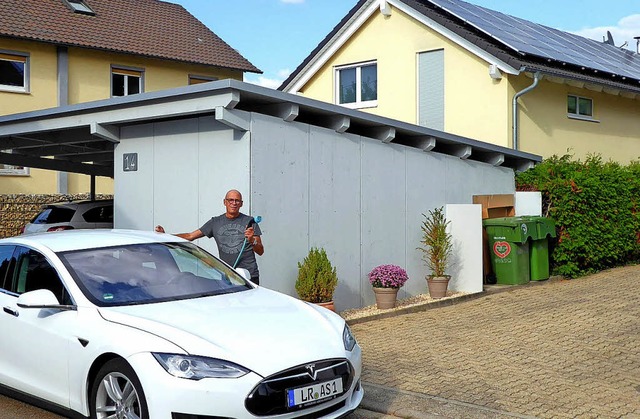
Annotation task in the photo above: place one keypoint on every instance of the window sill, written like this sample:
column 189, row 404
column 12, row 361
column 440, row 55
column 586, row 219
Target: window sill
column 9, row 89
column 583, row 118
column 360, row 105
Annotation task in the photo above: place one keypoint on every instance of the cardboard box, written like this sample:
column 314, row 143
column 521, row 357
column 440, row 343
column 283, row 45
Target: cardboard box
column 495, row 206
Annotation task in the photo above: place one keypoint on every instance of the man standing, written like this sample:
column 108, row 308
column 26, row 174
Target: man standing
column 230, row 231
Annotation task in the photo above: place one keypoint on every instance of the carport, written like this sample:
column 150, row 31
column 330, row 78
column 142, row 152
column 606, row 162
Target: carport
column 319, row 174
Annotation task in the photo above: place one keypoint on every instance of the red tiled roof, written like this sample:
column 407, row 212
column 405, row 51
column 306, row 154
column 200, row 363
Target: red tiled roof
column 150, row 28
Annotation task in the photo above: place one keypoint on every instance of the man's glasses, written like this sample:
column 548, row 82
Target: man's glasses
column 233, row 201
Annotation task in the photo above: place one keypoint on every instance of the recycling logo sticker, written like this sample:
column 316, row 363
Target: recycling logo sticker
column 502, row 249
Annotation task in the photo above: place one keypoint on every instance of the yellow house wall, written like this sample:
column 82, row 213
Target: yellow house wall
column 545, row 128
column 468, row 87
column 90, row 73
column 42, row 80
column 477, row 106
column 89, row 80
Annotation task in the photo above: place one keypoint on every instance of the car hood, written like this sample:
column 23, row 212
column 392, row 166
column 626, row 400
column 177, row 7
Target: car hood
column 259, row 329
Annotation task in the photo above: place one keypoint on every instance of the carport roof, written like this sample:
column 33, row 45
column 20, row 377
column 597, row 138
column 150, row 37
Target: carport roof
column 81, row 138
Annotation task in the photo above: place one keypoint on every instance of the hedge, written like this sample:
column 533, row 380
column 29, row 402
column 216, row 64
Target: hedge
column 595, row 206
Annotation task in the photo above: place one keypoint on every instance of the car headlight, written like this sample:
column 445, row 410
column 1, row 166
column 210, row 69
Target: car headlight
column 347, row 338
column 199, row 367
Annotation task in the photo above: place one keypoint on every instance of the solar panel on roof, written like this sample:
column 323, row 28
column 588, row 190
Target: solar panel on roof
column 548, row 43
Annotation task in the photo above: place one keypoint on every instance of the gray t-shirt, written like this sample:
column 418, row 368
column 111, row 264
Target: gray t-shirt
column 229, row 236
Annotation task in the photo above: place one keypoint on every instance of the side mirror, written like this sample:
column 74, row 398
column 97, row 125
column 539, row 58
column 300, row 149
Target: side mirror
column 41, row 299
column 244, row 273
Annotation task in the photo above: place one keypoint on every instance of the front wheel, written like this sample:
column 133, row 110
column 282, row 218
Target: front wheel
column 117, row 393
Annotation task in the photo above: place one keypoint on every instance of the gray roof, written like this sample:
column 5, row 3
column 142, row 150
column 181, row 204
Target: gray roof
column 148, row 28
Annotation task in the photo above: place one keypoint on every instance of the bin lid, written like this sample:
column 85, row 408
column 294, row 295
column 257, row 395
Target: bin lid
column 545, row 226
column 513, row 229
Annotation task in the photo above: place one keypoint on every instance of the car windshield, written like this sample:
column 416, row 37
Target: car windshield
column 150, row 272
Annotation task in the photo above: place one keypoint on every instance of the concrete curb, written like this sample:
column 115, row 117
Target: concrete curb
column 407, row 404
column 488, row 289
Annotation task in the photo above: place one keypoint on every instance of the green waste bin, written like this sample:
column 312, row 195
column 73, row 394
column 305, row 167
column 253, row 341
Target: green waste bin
column 509, row 248
column 539, row 249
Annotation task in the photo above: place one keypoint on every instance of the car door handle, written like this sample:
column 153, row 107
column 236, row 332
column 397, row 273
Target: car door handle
column 11, row 311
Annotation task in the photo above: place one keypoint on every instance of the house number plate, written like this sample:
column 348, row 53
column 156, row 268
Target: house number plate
column 130, row 162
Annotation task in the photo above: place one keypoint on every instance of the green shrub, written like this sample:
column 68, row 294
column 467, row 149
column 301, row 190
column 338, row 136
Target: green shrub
column 595, row 207
column 437, row 242
column 317, row 279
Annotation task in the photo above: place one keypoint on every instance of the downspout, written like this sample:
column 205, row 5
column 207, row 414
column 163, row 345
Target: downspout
column 536, row 79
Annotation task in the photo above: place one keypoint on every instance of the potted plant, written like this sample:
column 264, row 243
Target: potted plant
column 436, row 251
column 386, row 281
column 317, row 279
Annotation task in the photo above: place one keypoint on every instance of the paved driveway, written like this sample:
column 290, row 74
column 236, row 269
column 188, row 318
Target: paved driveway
column 560, row 349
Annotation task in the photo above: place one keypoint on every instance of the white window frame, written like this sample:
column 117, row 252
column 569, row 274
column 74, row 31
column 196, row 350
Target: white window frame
column 578, row 115
column 128, row 72
column 196, row 79
column 358, row 104
column 9, row 170
column 17, row 57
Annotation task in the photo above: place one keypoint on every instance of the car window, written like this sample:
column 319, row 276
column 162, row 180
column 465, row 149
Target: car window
column 52, row 215
column 153, row 272
column 34, row 272
column 103, row 214
column 197, row 266
column 6, row 259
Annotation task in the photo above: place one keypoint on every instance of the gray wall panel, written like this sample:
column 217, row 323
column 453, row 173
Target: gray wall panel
column 222, row 164
column 280, row 194
column 133, row 206
column 467, row 178
column 383, row 208
column 427, row 186
column 334, row 207
column 175, row 187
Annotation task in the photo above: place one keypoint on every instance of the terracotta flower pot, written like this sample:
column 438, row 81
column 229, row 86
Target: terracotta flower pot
column 438, row 286
column 386, row 297
column 328, row 305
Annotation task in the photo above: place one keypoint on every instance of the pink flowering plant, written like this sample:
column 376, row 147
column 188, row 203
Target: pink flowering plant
column 388, row 276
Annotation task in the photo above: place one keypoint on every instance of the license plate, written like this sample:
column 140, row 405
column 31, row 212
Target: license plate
column 314, row 393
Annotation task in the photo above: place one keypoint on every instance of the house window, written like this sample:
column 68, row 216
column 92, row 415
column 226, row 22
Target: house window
column 581, row 107
column 200, row 79
column 10, row 170
column 80, row 6
column 125, row 82
column 14, row 72
column 357, row 86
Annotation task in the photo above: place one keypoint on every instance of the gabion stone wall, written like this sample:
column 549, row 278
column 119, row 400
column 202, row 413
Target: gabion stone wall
column 17, row 210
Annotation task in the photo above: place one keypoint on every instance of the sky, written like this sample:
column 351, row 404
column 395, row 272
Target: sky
column 277, row 35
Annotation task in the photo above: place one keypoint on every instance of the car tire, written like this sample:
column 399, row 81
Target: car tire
column 116, row 392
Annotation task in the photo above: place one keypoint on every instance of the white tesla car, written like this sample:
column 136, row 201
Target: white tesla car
column 130, row 324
